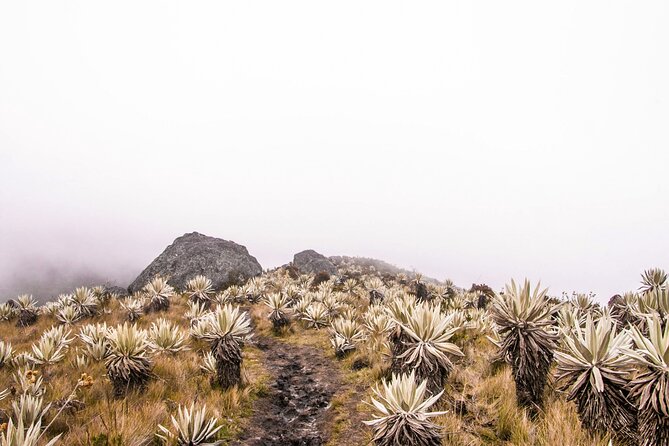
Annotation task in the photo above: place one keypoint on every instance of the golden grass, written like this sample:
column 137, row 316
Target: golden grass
column 560, row 425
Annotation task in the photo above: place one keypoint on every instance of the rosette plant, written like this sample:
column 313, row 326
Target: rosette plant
column 402, row 416
column 594, row 371
column 650, row 387
column 191, row 427
column 225, row 329
column 27, row 310
column 524, row 319
column 200, row 290
column 158, row 293
column 278, row 305
column 345, row 334
column 653, row 279
column 128, row 362
column 428, row 349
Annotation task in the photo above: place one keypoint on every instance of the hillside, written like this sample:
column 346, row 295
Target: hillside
column 289, row 361
column 368, row 265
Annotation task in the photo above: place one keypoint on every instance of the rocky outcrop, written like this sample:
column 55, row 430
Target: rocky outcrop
column 116, row 290
column 310, row 261
column 222, row 261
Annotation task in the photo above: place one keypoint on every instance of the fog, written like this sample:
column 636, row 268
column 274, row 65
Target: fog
column 477, row 141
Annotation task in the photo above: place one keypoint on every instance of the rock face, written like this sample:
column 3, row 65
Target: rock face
column 310, row 261
column 222, row 261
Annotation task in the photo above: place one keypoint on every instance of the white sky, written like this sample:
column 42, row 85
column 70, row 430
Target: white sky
column 476, row 140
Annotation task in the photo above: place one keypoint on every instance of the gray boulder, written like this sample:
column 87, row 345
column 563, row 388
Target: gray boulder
column 310, row 261
column 222, row 261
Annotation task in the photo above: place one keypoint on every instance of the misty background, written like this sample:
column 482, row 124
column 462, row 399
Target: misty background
column 477, row 141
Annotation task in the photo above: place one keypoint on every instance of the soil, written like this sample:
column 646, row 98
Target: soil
column 296, row 410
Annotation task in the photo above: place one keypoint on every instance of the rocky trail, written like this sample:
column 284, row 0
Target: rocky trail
column 296, row 411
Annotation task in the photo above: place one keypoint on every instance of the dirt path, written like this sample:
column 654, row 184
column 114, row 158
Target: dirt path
column 296, row 410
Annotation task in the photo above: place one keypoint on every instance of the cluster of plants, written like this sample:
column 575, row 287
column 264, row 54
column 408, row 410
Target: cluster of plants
column 611, row 361
column 77, row 338
column 407, row 324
